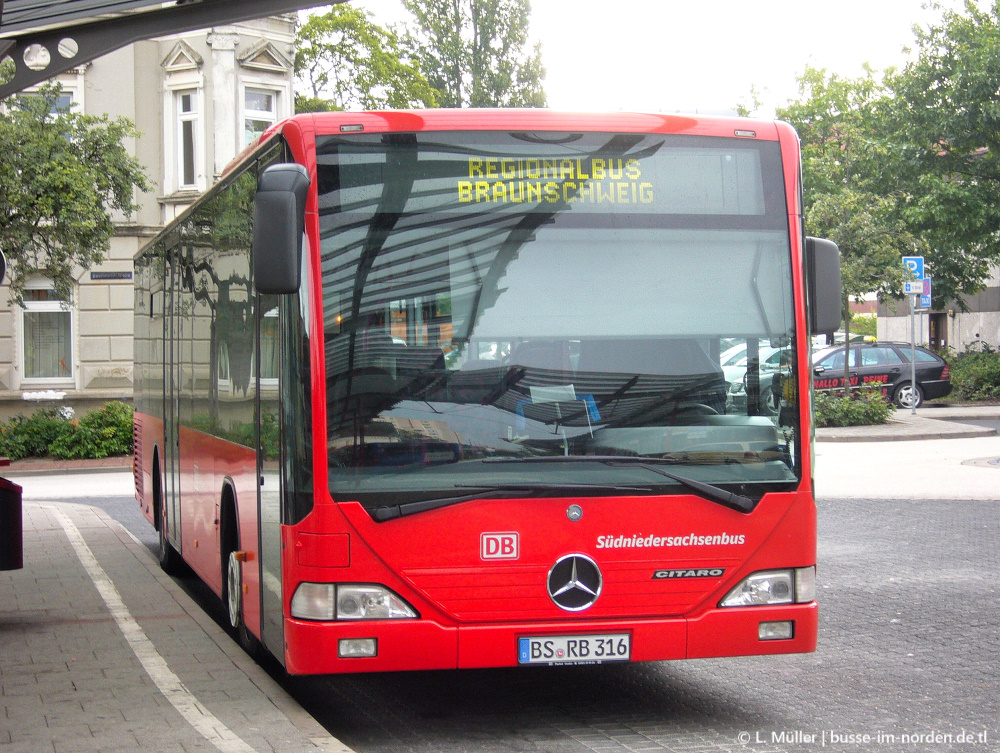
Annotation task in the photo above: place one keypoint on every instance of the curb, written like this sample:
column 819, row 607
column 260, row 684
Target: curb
column 871, row 436
column 43, row 467
column 906, row 427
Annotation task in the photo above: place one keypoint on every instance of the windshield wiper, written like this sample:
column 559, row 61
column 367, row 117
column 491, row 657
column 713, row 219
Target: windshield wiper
column 381, row 514
column 708, row 491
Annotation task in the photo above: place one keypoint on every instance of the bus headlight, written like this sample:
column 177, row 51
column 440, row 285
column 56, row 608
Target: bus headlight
column 370, row 603
column 325, row 602
column 771, row 587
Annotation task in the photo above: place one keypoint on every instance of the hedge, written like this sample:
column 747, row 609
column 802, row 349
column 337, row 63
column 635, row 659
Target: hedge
column 54, row 433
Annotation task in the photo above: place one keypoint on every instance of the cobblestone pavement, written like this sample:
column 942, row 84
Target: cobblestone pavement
column 909, row 655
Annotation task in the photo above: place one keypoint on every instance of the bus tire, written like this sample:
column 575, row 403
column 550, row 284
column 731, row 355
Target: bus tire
column 233, row 592
column 168, row 557
column 232, row 578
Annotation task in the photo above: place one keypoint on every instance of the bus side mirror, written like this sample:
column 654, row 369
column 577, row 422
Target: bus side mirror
column 823, row 280
column 278, row 224
column 3, row 267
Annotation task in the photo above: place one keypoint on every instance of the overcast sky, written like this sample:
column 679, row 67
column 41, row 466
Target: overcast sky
column 703, row 55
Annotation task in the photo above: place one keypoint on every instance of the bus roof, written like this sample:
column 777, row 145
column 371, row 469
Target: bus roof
column 537, row 119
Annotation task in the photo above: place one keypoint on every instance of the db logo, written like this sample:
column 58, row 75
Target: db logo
column 499, row 546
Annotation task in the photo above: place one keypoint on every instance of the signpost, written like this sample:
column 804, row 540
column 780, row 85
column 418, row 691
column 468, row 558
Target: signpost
column 914, row 288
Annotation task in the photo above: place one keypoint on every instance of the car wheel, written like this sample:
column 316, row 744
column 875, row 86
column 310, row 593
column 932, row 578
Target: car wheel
column 770, row 402
column 905, row 397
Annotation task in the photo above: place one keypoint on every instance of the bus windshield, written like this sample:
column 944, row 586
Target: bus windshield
column 492, row 298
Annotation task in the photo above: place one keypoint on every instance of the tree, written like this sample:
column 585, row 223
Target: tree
column 945, row 122
column 346, row 61
column 845, row 201
column 473, row 52
column 62, row 174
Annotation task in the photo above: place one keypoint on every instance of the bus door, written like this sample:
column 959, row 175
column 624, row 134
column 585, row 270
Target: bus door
column 268, row 420
column 172, row 323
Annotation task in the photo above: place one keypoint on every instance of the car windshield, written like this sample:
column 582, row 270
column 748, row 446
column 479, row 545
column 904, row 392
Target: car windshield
column 492, row 297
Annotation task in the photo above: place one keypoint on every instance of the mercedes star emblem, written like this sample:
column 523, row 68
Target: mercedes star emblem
column 574, row 582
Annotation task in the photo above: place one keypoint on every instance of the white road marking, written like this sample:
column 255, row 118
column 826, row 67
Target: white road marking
column 199, row 717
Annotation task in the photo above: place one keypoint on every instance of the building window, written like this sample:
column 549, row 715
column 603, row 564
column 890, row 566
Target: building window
column 260, row 111
column 63, row 103
column 48, row 336
column 187, row 136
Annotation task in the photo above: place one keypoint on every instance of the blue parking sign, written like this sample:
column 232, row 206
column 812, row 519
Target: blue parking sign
column 916, row 266
column 925, row 299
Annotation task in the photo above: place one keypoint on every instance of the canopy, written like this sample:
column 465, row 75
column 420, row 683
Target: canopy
column 47, row 37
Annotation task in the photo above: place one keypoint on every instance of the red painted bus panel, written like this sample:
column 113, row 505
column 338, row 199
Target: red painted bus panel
column 208, row 464
column 323, row 549
column 439, row 553
column 491, row 604
column 402, row 645
column 734, row 632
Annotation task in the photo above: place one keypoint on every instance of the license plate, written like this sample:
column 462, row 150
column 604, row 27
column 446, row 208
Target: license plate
column 574, row 649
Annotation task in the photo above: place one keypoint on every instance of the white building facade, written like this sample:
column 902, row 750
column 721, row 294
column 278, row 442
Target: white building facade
column 197, row 99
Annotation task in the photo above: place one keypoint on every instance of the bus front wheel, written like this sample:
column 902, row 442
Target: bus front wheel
column 234, row 592
column 232, row 581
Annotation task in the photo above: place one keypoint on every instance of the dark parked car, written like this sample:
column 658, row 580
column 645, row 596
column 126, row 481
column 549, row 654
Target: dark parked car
column 886, row 366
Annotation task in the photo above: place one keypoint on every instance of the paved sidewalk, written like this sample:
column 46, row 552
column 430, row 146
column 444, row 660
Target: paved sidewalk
column 930, row 422
column 101, row 651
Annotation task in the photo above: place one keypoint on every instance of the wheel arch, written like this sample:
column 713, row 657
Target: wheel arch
column 157, row 483
column 229, row 519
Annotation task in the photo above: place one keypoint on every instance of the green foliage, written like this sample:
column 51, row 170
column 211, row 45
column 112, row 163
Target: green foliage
column 30, row 436
column 864, row 324
column 346, row 61
column 473, row 52
column 842, row 158
column 99, row 434
column 945, row 124
column 304, row 103
column 908, row 163
column 842, row 155
column 976, row 376
column 862, row 408
column 62, row 174
column 49, row 432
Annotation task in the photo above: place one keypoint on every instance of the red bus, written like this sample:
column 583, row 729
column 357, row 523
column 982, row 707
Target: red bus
column 442, row 389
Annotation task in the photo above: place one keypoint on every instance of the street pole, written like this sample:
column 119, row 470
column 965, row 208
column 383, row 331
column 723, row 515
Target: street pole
column 913, row 359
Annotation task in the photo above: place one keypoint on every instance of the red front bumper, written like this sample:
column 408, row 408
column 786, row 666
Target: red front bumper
column 422, row 644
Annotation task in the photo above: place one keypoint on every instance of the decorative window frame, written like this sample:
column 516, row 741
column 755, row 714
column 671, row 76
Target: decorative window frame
column 67, row 382
column 265, row 68
column 183, row 73
column 277, row 112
